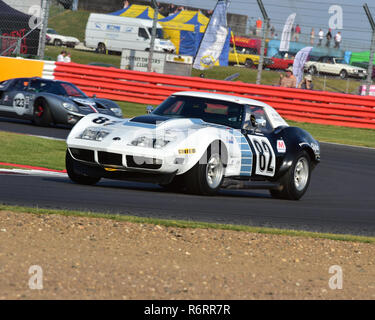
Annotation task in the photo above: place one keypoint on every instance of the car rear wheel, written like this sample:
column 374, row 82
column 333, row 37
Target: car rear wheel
column 42, row 114
column 75, row 177
column 207, row 175
column 249, row 63
column 343, row 74
column 296, row 180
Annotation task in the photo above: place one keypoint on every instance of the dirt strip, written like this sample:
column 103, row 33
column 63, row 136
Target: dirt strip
column 92, row 258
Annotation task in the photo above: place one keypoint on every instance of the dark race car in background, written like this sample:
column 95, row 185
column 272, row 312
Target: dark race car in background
column 48, row 102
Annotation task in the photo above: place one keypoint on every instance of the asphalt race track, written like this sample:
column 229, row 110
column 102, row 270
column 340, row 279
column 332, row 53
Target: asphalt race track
column 341, row 197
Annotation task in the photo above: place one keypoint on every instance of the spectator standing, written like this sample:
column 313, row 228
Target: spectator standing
column 293, row 32
column 272, row 31
column 259, row 26
column 312, row 36
column 289, row 80
column 61, row 56
column 338, row 39
column 307, row 83
column 68, row 58
column 329, row 38
column 126, row 4
column 298, row 32
column 321, row 36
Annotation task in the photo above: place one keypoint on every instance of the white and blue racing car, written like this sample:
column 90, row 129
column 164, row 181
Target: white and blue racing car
column 197, row 142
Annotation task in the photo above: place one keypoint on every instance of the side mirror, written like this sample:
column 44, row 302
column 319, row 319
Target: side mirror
column 94, row 96
column 149, row 109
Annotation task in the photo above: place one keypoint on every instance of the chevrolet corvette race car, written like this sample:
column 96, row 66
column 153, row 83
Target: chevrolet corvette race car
column 50, row 101
column 198, row 142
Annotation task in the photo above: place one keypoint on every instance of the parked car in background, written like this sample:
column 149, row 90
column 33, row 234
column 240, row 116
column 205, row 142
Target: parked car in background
column 364, row 65
column 280, row 63
column 335, row 66
column 57, row 39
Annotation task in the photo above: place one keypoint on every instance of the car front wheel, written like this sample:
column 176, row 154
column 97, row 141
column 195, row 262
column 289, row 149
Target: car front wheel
column 296, row 180
column 42, row 114
column 207, row 175
column 75, row 177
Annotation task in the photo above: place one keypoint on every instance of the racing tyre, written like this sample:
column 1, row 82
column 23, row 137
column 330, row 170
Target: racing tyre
column 42, row 114
column 207, row 175
column 343, row 74
column 57, row 43
column 75, row 177
column 249, row 63
column 296, row 180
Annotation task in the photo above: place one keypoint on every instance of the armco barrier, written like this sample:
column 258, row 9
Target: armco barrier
column 152, row 88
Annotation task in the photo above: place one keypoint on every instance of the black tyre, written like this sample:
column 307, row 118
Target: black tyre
column 75, row 177
column 313, row 70
column 57, row 43
column 177, row 184
column 101, row 48
column 343, row 74
column 207, row 175
column 42, row 114
column 249, row 63
column 296, row 180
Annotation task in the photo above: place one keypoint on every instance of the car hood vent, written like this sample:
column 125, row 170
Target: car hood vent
column 150, row 119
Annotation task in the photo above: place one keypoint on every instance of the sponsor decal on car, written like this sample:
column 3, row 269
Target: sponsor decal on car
column 281, row 147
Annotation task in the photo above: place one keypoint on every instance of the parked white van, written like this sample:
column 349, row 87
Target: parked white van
column 114, row 33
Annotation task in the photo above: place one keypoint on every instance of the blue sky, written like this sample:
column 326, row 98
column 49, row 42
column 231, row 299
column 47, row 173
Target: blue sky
column 310, row 14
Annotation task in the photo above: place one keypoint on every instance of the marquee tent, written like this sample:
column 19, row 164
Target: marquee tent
column 185, row 29
column 15, row 24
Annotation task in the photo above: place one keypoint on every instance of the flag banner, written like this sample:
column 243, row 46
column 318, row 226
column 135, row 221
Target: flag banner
column 287, row 33
column 213, row 39
column 299, row 63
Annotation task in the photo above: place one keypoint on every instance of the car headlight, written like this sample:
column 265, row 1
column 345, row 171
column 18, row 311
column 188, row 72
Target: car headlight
column 95, row 134
column 70, row 107
column 117, row 111
column 148, row 142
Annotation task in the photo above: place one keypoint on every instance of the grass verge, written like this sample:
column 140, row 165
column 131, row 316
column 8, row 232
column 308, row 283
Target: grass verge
column 33, row 151
column 190, row 224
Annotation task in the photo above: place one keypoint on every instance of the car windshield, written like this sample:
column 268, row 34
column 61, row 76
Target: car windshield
column 58, row 88
column 209, row 110
column 51, row 31
column 342, row 61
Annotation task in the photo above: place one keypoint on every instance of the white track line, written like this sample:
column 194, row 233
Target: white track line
column 33, row 173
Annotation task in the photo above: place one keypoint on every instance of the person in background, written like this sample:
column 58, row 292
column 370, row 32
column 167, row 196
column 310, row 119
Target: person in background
column 126, row 4
column 329, row 38
column 68, row 58
column 312, row 36
column 258, row 24
column 307, row 83
column 61, row 56
column 298, row 32
column 321, row 36
column 289, row 80
column 338, row 39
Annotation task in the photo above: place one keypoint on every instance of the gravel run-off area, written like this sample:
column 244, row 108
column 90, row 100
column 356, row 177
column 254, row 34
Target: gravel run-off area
column 96, row 258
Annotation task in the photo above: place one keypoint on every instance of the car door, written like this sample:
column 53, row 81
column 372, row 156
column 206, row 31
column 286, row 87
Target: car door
column 16, row 100
column 263, row 160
